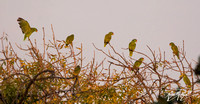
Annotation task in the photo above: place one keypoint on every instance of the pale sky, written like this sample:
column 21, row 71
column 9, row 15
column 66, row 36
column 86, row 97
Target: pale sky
column 152, row 22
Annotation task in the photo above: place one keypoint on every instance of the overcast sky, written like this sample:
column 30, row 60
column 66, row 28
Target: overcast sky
column 153, row 22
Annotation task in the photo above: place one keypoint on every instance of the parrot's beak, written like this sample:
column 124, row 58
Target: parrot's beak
column 36, row 30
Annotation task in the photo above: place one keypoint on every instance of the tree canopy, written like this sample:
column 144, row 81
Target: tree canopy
column 58, row 74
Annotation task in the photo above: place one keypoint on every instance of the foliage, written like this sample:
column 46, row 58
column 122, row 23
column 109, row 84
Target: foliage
column 48, row 76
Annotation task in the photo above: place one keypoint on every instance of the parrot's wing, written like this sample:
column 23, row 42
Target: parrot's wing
column 131, row 47
column 175, row 49
column 71, row 38
column 107, row 39
column 24, row 25
column 186, row 80
column 77, row 70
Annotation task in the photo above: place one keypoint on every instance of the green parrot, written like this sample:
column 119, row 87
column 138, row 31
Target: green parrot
column 174, row 49
column 69, row 40
column 25, row 27
column 132, row 46
column 186, row 80
column 77, row 70
column 137, row 64
column 107, row 38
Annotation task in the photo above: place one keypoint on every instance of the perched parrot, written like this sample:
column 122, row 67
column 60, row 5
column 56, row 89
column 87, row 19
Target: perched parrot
column 137, row 64
column 69, row 40
column 174, row 49
column 132, row 46
column 186, row 80
column 107, row 38
column 25, row 27
column 77, row 70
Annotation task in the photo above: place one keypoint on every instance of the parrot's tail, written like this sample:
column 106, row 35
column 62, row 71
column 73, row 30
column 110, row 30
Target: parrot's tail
column 178, row 56
column 105, row 44
column 25, row 37
column 130, row 53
